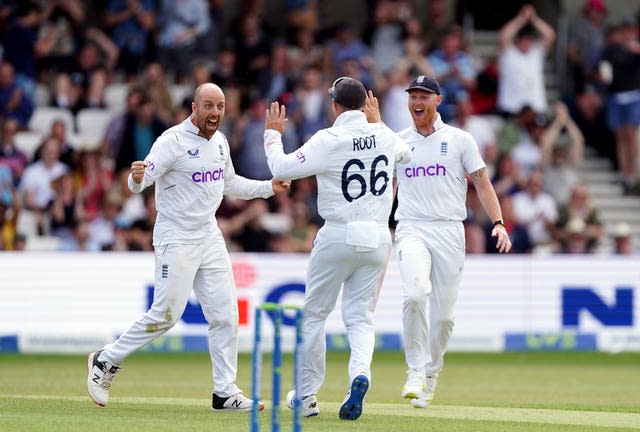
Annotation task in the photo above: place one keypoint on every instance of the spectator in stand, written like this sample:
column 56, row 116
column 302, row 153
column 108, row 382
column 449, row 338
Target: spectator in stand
column 7, row 10
column 586, row 41
column 542, row 148
column 507, row 179
column 515, row 128
column 14, row 103
column 208, row 43
column 276, row 83
column 622, row 58
column 132, row 207
column 385, row 32
column 114, row 134
column 622, row 239
column 66, row 208
column 579, row 207
column 80, row 240
column 485, row 95
column 575, row 239
column 311, row 112
column 474, row 237
column 35, row 188
column 156, row 85
column 249, row 158
column 518, row 233
column 303, row 13
column 521, row 62
column 233, row 115
column 200, row 74
column 453, row 69
column 253, row 48
column 85, row 84
column 224, row 69
column 9, row 210
column 93, row 180
column 304, row 48
column 414, row 60
column 561, row 160
column 102, row 227
column 130, row 23
column 10, row 156
column 305, row 191
column 587, row 110
column 180, row 22
column 479, row 128
column 299, row 238
column 536, row 210
column 59, row 35
column 351, row 68
column 344, row 46
column 19, row 45
column 393, row 98
column 67, row 149
column 140, row 131
column 527, row 153
column 437, row 22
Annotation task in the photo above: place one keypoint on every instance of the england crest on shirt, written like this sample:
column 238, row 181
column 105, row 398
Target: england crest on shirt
column 443, row 148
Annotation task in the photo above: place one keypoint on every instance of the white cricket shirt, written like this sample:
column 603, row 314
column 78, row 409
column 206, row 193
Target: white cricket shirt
column 191, row 175
column 353, row 162
column 433, row 186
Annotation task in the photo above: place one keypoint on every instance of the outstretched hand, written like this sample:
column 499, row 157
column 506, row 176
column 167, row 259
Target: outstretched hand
column 280, row 186
column 504, row 242
column 276, row 118
column 371, row 108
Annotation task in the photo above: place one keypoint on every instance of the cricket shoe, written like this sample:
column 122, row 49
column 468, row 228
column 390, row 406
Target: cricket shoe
column 99, row 379
column 352, row 406
column 415, row 384
column 424, row 400
column 237, row 402
column 309, row 404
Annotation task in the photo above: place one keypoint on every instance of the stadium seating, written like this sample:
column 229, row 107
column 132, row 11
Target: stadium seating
column 43, row 118
column 91, row 125
column 115, row 96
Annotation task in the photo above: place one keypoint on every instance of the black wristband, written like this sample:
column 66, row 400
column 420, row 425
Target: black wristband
column 498, row 222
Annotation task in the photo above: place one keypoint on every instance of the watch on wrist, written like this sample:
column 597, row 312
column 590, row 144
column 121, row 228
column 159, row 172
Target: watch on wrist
column 498, row 222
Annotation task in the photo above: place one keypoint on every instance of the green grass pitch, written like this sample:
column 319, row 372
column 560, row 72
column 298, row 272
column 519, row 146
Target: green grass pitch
column 476, row 392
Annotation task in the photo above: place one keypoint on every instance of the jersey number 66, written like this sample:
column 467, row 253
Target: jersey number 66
column 375, row 177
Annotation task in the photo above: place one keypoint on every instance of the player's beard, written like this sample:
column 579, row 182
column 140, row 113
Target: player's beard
column 425, row 120
column 209, row 125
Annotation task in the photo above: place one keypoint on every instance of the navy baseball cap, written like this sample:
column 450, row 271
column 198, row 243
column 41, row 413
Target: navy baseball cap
column 426, row 83
column 348, row 92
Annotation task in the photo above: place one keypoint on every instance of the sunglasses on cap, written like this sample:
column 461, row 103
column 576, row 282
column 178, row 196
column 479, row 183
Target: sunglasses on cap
column 332, row 90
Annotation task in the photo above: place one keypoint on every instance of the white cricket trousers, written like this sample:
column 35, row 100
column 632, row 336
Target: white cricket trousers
column 206, row 268
column 431, row 261
column 333, row 263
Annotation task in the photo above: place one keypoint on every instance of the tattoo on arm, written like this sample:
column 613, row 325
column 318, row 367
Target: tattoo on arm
column 476, row 175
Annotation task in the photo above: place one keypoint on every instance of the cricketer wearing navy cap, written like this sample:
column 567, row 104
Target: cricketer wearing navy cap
column 426, row 83
column 430, row 240
column 348, row 92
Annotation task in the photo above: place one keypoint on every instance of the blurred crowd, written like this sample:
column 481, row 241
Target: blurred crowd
column 71, row 54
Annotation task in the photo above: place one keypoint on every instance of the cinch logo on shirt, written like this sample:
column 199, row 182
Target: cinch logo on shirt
column 205, row 176
column 425, row 171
